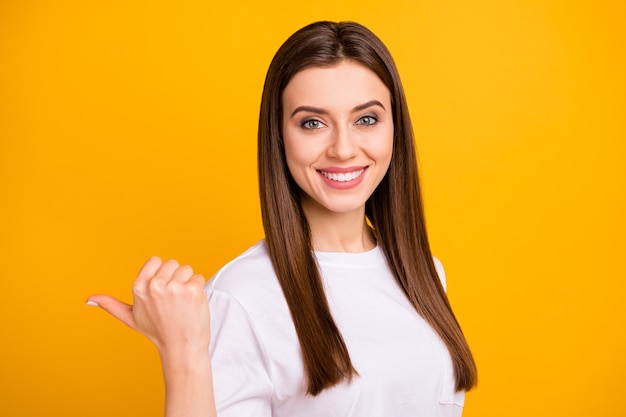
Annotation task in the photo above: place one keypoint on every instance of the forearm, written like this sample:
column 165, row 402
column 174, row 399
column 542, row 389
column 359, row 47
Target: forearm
column 188, row 385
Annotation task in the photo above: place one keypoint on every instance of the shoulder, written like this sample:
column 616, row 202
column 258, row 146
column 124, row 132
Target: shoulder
column 246, row 274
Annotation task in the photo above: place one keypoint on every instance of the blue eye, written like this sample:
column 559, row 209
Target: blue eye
column 367, row 120
column 312, row 124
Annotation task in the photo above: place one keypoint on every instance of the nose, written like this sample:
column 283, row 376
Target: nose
column 343, row 144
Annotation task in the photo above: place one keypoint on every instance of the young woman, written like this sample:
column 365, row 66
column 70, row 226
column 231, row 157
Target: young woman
column 341, row 310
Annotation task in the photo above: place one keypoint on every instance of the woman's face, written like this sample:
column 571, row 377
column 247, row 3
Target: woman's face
column 338, row 135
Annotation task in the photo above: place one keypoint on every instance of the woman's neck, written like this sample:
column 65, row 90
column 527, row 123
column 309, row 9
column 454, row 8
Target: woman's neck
column 339, row 232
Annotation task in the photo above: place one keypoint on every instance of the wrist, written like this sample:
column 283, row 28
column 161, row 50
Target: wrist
column 181, row 356
column 188, row 383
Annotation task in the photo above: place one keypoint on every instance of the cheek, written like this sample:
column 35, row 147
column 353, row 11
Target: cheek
column 382, row 150
column 292, row 165
column 297, row 159
column 300, row 151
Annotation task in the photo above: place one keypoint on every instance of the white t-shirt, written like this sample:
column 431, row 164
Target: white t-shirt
column 404, row 368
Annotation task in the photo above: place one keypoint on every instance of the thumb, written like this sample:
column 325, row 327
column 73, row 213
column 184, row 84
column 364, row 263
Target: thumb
column 116, row 308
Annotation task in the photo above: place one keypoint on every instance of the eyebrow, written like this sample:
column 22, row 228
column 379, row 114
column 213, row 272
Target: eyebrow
column 319, row 110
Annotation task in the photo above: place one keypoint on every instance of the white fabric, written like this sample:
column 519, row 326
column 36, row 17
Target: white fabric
column 404, row 368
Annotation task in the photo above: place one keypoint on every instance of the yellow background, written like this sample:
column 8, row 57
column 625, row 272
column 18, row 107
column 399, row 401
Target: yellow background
column 128, row 129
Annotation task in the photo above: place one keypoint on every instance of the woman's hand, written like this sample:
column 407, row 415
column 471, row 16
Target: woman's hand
column 170, row 307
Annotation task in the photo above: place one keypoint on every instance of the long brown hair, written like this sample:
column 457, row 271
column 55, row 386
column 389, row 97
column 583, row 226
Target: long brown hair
column 394, row 211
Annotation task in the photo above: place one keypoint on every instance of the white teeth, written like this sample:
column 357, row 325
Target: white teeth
column 342, row 177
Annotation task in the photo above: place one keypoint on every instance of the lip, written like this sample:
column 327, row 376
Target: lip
column 343, row 185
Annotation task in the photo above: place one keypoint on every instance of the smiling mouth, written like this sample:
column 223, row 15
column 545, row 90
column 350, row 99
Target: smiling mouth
column 343, row 176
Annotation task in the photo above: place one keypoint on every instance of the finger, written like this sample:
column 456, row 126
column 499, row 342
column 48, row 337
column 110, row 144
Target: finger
column 158, row 284
column 196, row 284
column 182, row 274
column 198, row 279
column 146, row 273
column 167, row 268
column 113, row 306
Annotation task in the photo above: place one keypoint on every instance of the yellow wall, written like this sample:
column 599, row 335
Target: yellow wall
column 127, row 129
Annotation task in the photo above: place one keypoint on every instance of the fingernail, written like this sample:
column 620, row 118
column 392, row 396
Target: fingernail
column 92, row 303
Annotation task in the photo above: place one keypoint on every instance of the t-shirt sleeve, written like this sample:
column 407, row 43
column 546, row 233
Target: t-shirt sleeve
column 241, row 380
column 440, row 272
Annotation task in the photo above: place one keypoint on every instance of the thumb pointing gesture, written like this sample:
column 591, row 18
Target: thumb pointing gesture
column 118, row 309
column 170, row 306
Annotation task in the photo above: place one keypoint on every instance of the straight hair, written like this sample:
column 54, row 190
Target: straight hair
column 394, row 211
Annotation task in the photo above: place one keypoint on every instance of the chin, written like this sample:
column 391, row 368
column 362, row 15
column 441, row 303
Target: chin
column 336, row 205
column 344, row 208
